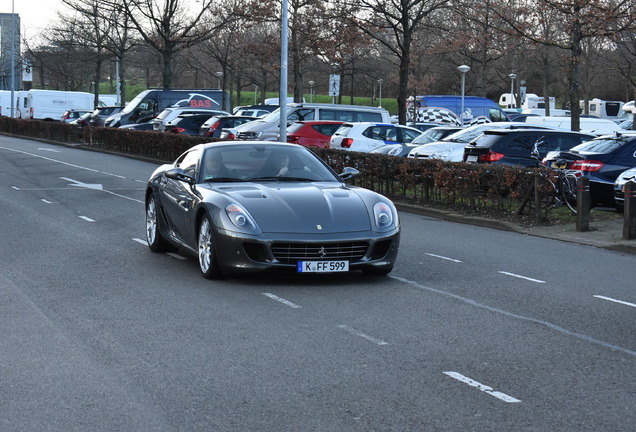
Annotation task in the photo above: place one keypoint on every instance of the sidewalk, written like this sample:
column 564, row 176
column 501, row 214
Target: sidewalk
column 606, row 234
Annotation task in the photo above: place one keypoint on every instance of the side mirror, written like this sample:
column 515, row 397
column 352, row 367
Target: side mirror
column 349, row 173
column 179, row 174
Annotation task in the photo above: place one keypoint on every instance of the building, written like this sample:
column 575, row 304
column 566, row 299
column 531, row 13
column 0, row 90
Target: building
column 10, row 50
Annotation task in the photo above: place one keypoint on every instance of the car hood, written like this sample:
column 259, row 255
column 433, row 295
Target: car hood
column 301, row 208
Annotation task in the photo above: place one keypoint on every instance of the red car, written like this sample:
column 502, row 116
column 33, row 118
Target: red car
column 315, row 133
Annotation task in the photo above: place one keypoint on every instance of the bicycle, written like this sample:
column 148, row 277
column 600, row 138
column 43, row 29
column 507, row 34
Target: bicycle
column 555, row 187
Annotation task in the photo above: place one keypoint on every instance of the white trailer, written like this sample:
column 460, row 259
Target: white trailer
column 51, row 104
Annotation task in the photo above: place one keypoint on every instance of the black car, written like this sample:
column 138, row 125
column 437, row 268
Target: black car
column 253, row 206
column 213, row 126
column 514, row 146
column 602, row 160
column 187, row 124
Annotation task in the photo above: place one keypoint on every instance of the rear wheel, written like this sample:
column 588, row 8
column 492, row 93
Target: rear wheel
column 208, row 262
column 568, row 190
column 156, row 242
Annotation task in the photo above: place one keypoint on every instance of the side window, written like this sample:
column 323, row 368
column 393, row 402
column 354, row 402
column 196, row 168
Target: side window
column 189, row 162
column 302, row 114
column 409, row 135
column 327, row 114
column 365, row 116
column 520, row 144
column 391, row 134
column 496, row 115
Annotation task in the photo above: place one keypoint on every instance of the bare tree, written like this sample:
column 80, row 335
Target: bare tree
column 168, row 27
column 393, row 24
column 578, row 20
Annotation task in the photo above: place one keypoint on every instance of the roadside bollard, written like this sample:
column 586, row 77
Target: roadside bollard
column 583, row 204
column 629, row 212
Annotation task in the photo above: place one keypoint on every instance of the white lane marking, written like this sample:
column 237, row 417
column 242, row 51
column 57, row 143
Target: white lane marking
column 140, row 241
column 615, row 301
column 87, row 219
column 46, row 201
column 15, row 187
column 177, row 256
column 66, row 163
column 282, row 300
column 443, row 257
column 362, row 335
column 554, row 327
column 78, row 183
column 49, row 149
column 522, row 277
column 486, row 389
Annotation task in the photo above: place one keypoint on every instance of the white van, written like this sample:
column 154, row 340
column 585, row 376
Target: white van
column 602, row 108
column 593, row 126
column 52, row 104
column 268, row 127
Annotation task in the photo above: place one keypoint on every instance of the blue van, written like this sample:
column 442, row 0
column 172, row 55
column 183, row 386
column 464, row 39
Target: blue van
column 476, row 109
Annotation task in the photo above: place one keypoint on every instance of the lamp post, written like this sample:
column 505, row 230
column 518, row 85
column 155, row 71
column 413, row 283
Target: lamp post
column 311, row 91
column 512, row 90
column 463, row 69
column 12, row 59
column 380, row 81
column 218, row 79
column 255, row 92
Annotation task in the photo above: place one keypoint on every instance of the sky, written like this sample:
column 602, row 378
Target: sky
column 34, row 14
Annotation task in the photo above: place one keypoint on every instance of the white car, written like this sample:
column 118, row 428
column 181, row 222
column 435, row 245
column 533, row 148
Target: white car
column 366, row 136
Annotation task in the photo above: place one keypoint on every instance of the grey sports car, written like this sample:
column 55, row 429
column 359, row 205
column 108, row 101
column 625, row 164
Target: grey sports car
column 253, row 206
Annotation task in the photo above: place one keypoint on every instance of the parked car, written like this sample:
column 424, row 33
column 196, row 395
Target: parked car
column 602, row 160
column 452, row 146
column 171, row 113
column 255, row 111
column 73, row 114
column 400, row 150
column 514, row 147
column 619, row 187
column 213, row 126
column 246, row 214
column 422, row 126
column 186, row 124
column 315, row 133
column 365, row 136
column 268, row 127
column 143, row 125
column 99, row 116
column 83, row 120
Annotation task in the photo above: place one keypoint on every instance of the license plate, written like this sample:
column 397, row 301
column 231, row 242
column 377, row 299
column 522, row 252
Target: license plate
column 322, row 266
column 471, row 158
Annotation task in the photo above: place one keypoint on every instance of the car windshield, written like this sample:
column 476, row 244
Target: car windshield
column 467, row 135
column 603, row 145
column 263, row 163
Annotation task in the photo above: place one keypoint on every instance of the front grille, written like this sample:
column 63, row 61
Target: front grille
column 290, row 253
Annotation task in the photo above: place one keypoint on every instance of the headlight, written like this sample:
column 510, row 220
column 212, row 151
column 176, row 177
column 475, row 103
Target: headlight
column 241, row 219
column 395, row 151
column 383, row 215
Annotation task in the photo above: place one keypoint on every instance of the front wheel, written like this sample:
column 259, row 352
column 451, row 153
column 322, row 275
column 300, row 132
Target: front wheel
column 208, row 262
column 156, row 242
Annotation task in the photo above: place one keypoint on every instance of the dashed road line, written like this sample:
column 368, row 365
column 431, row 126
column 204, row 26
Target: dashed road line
column 358, row 333
column 282, row 300
column 486, row 389
column 521, row 277
column 443, row 257
column 616, row 301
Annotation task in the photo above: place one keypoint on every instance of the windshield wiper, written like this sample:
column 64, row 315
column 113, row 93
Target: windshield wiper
column 282, row 178
column 223, row 179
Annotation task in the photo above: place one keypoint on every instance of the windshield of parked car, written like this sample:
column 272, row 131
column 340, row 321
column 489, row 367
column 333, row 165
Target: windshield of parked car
column 468, row 134
column 263, row 163
column 602, row 145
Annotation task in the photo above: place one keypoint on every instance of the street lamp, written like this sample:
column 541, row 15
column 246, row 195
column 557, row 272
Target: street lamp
column 218, row 79
column 463, row 69
column 311, row 91
column 380, row 81
column 512, row 90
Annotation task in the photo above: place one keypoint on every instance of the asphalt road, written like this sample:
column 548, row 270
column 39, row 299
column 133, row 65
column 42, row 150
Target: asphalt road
column 474, row 330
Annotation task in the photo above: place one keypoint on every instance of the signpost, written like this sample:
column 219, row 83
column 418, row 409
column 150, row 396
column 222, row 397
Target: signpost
column 334, row 87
